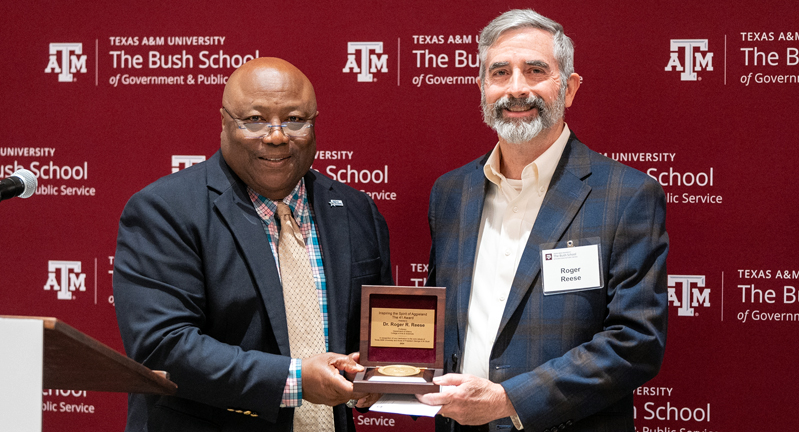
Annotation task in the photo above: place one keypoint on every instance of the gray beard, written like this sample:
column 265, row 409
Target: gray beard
column 518, row 131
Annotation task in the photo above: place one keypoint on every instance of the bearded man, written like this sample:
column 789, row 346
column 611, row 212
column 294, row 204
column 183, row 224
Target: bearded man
column 554, row 256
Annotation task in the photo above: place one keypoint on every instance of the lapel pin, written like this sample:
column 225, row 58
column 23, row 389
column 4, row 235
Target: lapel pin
column 336, row 203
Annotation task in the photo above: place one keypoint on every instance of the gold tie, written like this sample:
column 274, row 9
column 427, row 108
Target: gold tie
column 306, row 331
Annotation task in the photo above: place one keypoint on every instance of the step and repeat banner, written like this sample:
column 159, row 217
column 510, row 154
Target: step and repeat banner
column 100, row 100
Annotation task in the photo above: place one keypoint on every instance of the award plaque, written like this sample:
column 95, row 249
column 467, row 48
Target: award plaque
column 402, row 339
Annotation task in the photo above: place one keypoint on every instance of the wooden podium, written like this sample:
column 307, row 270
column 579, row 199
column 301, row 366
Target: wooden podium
column 45, row 353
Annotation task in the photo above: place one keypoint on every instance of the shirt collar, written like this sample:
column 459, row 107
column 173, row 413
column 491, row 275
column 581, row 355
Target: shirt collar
column 297, row 201
column 538, row 172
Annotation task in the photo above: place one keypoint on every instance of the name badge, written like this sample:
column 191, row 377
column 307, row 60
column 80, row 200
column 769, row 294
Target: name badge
column 572, row 268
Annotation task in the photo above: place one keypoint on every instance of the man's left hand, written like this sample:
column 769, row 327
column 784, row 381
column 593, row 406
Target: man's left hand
column 473, row 400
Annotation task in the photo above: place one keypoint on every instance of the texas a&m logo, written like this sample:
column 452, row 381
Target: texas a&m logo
column 184, row 161
column 690, row 294
column 65, row 277
column 65, row 60
column 369, row 63
column 693, row 59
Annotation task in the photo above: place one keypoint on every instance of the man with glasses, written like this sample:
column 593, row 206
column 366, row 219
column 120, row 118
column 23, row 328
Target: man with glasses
column 554, row 256
column 241, row 276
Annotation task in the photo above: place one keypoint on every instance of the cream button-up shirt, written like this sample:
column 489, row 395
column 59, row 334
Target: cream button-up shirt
column 509, row 212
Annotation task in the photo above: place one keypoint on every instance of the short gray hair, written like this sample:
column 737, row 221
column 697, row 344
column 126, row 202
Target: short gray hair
column 563, row 49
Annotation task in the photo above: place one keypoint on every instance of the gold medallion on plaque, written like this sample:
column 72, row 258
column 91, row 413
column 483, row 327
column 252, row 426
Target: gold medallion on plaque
column 399, row 370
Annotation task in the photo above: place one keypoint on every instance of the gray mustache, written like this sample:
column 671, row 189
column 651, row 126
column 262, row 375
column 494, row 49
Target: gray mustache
column 508, row 102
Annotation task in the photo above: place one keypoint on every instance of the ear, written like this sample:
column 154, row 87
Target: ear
column 222, row 117
column 479, row 84
column 572, row 84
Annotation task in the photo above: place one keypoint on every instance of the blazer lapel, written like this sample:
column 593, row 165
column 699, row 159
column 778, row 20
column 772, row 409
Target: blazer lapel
column 332, row 224
column 473, row 196
column 236, row 209
column 563, row 200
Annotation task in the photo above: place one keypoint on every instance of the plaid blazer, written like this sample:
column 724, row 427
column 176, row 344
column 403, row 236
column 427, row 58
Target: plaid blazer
column 572, row 360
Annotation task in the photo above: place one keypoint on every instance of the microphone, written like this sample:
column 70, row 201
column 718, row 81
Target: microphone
column 22, row 183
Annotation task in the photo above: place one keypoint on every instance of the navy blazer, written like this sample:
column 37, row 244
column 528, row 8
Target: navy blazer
column 198, row 295
column 570, row 360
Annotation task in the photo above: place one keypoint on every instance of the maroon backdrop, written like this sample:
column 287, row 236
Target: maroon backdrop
column 101, row 100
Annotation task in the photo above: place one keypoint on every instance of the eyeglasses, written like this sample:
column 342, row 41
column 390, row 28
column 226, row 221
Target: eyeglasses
column 256, row 129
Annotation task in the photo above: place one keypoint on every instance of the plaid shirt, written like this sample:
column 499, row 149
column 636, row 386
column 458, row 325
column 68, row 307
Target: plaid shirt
column 297, row 201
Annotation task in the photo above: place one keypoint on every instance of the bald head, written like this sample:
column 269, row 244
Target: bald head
column 267, row 74
column 273, row 91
